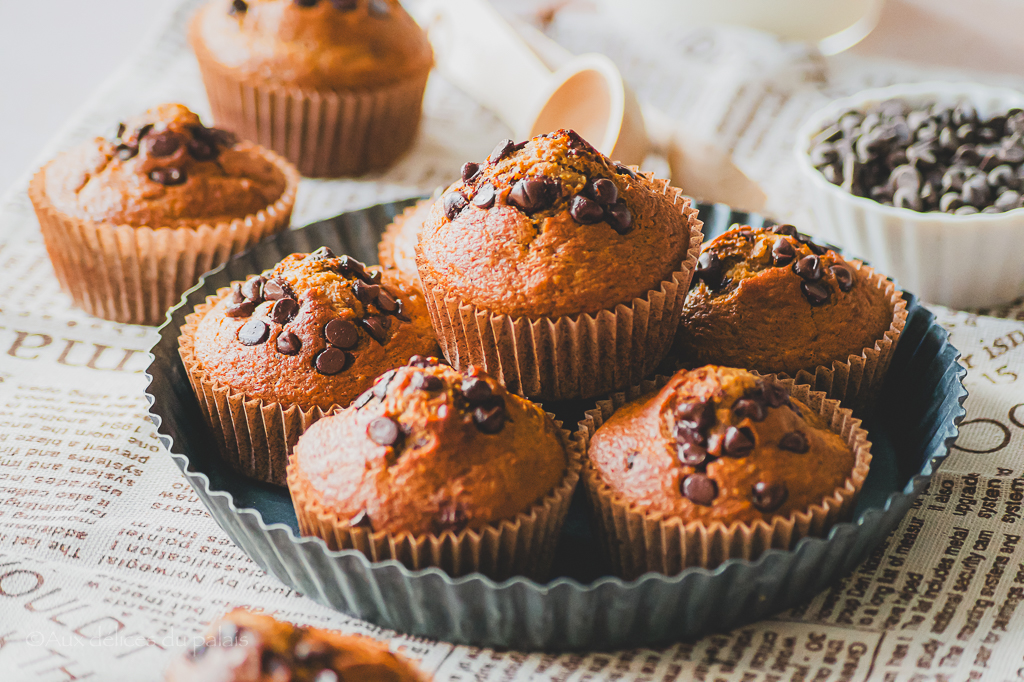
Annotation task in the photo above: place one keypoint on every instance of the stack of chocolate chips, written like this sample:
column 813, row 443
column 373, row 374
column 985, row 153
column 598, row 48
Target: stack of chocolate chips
column 202, row 144
column 929, row 157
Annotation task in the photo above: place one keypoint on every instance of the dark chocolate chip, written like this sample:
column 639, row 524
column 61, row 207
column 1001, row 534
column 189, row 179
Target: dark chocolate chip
column 476, row 390
column 379, row 8
column 243, row 309
column 788, row 230
column 253, row 333
column 709, row 269
column 817, row 249
column 399, row 314
column 125, row 152
column 794, row 441
column 844, row 277
column 783, row 253
column 691, row 454
column 426, row 382
column 143, row 131
column 386, row 302
column 323, row 253
column 376, row 327
column 253, row 289
column 950, row 201
column 603, row 191
column 489, row 420
column 331, row 361
column 341, row 334
column 420, row 361
column 485, row 196
column 164, row 144
column 168, row 176
column 305, row 3
column 748, row 408
column 276, row 289
column 809, row 268
column 453, row 203
column 366, row 293
column 620, row 218
column 768, row 497
column 534, row 194
column 625, row 170
column 585, row 211
column 470, row 170
column 384, row 431
column 1008, row 200
column 504, row 148
column 200, row 150
column 699, row 489
column 738, row 442
column 688, row 432
column 284, row 310
column 696, row 413
column 288, row 343
column 815, row 292
column 345, row 5
column 120, row 131
column 774, row 394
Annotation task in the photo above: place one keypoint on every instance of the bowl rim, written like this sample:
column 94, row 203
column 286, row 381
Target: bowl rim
column 939, row 90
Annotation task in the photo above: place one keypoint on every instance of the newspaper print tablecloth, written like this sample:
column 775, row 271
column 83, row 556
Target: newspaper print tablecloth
column 109, row 565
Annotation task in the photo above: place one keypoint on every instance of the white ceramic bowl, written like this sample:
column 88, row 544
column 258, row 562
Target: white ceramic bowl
column 969, row 261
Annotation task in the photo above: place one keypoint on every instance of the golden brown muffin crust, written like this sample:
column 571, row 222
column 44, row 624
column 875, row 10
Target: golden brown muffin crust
column 315, row 45
column 720, row 444
column 164, row 169
column 243, row 646
column 429, row 450
column 551, row 227
column 771, row 300
column 343, row 326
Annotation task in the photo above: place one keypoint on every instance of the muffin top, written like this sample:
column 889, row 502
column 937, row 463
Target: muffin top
column 552, row 227
column 397, row 247
column 771, row 300
column 243, row 646
column 165, row 169
column 720, row 444
column 428, row 450
column 313, row 44
column 313, row 331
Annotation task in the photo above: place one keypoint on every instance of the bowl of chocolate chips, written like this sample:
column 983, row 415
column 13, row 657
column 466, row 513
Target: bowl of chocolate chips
column 925, row 182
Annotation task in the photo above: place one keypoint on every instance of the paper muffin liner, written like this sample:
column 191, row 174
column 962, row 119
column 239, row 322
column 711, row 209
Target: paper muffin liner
column 578, row 356
column 523, row 545
column 639, row 542
column 324, row 133
column 134, row 274
column 253, row 435
column 391, row 240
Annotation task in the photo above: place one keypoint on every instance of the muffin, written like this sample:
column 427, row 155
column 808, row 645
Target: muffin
column 335, row 86
column 397, row 247
column 556, row 269
column 436, row 467
column 132, row 221
column 719, row 463
column 773, row 301
column 243, row 646
column 269, row 356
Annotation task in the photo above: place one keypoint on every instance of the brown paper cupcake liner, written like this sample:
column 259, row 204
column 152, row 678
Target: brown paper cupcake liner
column 390, row 241
column 523, row 545
column 564, row 357
column 639, row 542
column 857, row 381
column 325, row 134
column 134, row 274
column 254, row 436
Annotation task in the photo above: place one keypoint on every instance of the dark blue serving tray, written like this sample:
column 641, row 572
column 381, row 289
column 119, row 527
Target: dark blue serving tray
column 582, row 606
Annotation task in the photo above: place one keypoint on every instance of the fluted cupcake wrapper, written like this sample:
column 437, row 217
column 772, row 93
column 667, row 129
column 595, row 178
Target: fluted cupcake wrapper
column 134, row 274
column 390, row 241
column 638, row 542
column 324, row 133
column 523, row 545
column 254, row 436
column 579, row 356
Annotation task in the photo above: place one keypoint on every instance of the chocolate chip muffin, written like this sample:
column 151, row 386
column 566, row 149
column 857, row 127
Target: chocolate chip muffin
column 131, row 221
column 571, row 264
column 340, row 82
column 436, row 467
column 397, row 247
column 243, row 646
column 772, row 300
column 728, row 463
column 286, row 346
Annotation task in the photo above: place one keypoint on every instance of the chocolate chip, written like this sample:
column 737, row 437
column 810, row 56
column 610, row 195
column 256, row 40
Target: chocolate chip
column 253, row 289
column 748, row 408
column 709, row 269
column 783, row 253
column 366, row 293
column 696, row 413
column 787, row 230
column 341, row 334
column 815, row 292
column 143, row 131
column 774, row 394
column 809, row 268
column 276, row 289
column 699, row 489
column 794, row 441
column 125, row 152
column 470, row 171
column 284, row 310
column 331, row 361
column 534, row 194
column 201, row 151
column 219, row 137
column 768, row 497
column 585, row 211
column 976, row 192
column 624, row 170
column 603, row 191
column 164, row 144
column 489, row 420
column 738, row 442
column 288, row 343
column 305, row 3
column 688, row 432
column 453, row 203
column 691, row 454
column 243, row 309
column 398, row 313
column 1008, row 200
column 844, row 277
column 426, row 382
column 620, row 218
column 504, row 148
column 379, row 8
column 168, row 176
column 253, row 333
column 420, row 361
column 384, row 431
column 485, row 196
column 386, row 302
column 345, row 5
column 376, row 327
column 476, row 390
column 322, row 254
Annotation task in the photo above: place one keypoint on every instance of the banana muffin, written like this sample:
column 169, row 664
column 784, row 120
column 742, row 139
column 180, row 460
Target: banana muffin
column 243, row 646
column 339, row 83
column 130, row 222
column 579, row 262
column 310, row 334
column 436, row 467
